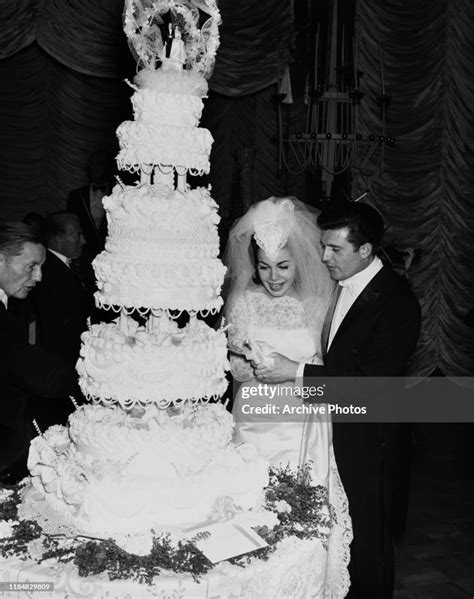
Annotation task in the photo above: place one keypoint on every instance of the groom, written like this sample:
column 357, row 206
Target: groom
column 371, row 330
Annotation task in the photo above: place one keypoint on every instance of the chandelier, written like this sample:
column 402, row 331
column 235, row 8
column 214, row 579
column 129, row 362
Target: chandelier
column 331, row 137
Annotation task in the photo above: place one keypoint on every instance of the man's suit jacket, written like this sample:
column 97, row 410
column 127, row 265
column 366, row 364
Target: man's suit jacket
column 378, row 334
column 27, row 374
column 80, row 203
column 375, row 339
column 62, row 305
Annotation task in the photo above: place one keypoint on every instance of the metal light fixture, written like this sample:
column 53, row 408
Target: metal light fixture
column 332, row 140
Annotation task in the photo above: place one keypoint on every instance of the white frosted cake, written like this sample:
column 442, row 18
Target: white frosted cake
column 151, row 452
column 161, row 250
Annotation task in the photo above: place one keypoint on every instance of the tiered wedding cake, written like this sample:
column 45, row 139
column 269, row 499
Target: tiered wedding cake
column 150, row 452
column 149, row 460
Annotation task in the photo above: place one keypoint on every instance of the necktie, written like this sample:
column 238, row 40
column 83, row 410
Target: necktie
column 75, row 267
column 328, row 319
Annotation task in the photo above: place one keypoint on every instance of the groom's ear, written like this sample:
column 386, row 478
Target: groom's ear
column 365, row 250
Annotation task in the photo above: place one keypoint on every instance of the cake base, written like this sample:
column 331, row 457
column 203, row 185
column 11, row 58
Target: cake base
column 295, row 570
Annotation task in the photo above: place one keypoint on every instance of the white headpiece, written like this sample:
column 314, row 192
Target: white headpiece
column 272, row 223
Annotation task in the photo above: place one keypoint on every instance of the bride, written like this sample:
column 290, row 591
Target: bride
column 278, row 297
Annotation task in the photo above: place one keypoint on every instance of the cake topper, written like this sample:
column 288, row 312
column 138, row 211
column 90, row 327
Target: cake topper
column 187, row 44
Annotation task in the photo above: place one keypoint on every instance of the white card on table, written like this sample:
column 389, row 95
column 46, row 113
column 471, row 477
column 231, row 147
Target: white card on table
column 226, row 539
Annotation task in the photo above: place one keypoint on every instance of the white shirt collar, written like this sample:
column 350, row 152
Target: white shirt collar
column 361, row 279
column 4, row 298
column 62, row 257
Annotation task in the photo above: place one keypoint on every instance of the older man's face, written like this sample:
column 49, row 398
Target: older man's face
column 19, row 274
column 71, row 241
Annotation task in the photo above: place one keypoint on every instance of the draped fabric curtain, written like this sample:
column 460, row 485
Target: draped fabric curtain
column 85, row 35
column 255, row 42
column 61, row 66
column 23, row 137
column 18, row 19
column 51, row 119
column 427, row 190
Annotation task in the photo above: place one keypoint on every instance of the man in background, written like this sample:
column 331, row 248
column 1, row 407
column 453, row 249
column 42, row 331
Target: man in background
column 28, row 372
column 61, row 302
column 86, row 202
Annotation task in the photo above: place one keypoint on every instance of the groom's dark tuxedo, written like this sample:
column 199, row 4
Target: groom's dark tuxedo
column 375, row 339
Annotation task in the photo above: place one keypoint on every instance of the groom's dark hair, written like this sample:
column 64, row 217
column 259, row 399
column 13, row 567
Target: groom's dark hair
column 363, row 223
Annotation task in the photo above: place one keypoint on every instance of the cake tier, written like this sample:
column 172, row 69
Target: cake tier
column 183, row 437
column 114, row 473
column 161, row 250
column 167, row 106
column 164, row 108
column 149, row 219
column 168, row 97
column 194, row 286
column 182, row 82
column 136, row 367
column 143, row 143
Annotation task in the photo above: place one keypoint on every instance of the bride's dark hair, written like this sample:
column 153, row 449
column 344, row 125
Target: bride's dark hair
column 253, row 251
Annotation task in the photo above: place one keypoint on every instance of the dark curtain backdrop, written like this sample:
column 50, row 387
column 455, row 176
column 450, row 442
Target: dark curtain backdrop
column 427, row 190
column 62, row 66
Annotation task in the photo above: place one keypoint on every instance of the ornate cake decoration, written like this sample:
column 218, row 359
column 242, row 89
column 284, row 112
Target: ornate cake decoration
column 193, row 46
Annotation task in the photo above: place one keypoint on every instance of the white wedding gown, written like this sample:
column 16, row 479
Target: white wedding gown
column 279, row 325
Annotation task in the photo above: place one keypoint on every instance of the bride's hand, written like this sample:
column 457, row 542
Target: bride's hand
column 279, row 370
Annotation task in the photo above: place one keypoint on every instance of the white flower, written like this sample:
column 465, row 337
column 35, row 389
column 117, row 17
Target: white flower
column 6, row 528
column 36, row 549
column 283, row 506
column 4, row 494
column 223, row 509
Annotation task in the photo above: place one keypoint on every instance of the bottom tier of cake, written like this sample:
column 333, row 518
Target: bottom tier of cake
column 115, row 472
